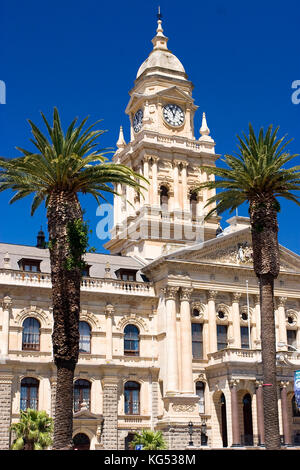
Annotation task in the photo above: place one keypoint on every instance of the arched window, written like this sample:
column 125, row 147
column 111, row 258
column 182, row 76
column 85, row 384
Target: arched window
column 82, row 394
column 193, row 204
column 29, row 393
column 84, row 337
column 132, row 398
column 131, row 340
column 31, row 334
column 164, row 197
column 200, row 387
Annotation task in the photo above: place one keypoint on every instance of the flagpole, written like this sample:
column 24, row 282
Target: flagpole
column 249, row 323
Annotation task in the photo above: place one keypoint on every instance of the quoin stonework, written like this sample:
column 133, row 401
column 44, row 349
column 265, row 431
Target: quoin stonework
column 170, row 319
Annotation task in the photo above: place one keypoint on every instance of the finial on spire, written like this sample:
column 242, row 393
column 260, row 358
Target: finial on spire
column 204, row 130
column 121, row 141
column 159, row 15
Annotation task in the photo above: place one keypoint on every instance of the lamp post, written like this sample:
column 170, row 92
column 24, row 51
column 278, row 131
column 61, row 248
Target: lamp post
column 190, row 428
column 203, row 433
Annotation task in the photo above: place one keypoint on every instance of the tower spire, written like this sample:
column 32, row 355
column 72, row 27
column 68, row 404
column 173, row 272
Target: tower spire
column 160, row 40
column 204, row 130
column 121, row 141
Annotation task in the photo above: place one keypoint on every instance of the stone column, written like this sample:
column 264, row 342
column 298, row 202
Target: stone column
column 236, row 323
column 110, row 413
column 109, row 312
column 257, row 321
column 282, row 321
column 212, row 323
column 53, row 382
column 187, row 384
column 6, row 307
column 236, row 437
column 260, row 412
column 154, row 182
column 285, row 414
column 185, row 201
column 5, row 410
column 146, row 175
column 172, row 352
column 176, row 185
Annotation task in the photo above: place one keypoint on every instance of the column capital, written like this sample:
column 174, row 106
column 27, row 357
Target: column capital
column 6, row 302
column 236, row 296
column 259, row 383
column 284, row 383
column 212, row 294
column 146, row 158
column 170, row 292
column 257, row 299
column 281, row 301
column 234, row 382
column 186, row 293
column 154, row 158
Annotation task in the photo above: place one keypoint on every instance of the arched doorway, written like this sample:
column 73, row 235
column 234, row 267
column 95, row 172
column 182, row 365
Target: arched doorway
column 128, row 439
column 247, row 415
column 223, row 420
column 81, row 442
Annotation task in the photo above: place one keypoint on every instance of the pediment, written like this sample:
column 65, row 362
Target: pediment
column 84, row 413
column 233, row 250
column 176, row 93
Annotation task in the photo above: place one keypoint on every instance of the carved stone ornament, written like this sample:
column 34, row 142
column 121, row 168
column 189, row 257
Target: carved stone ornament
column 183, row 408
column 109, row 310
column 185, row 293
column 241, row 253
column 170, row 292
column 6, row 303
column 212, row 294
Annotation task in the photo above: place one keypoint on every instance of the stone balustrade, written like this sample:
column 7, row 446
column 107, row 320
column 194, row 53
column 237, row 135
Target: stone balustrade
column 21, row 278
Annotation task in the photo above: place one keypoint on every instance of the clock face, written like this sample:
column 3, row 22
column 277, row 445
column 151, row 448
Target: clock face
column 138, row 120
column 173, row 115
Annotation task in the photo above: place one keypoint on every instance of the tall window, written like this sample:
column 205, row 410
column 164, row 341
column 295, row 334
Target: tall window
column 292, row 339
column 31, row 334
column 82, row 394
column 164, row 197
column 193, row 204
column 295, row 409
column 197, row 340
column 131, row 340
column 200, row 386
column 132, row 398
column 84, row 337
column 244, row 337
column 29, row 393
column 221, row 337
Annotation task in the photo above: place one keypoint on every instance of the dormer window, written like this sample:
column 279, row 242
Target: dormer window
column 86, row 271
column 126, row 274
column 30, row 265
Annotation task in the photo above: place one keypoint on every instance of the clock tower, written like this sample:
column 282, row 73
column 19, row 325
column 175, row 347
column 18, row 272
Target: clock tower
column 163, row 148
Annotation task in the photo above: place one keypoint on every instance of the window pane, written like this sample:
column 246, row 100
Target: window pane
column 244, row 337
column 85, row 337
column 31, row 334
column 200, row 392
column 291, row 338
column 222, row 336
column 197, row 340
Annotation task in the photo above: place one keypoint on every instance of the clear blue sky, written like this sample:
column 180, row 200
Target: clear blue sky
column 82, row 56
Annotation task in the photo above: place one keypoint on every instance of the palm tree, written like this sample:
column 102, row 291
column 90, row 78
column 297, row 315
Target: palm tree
column 257, row 175
column 33, row 432
column 150, row 440
column 64, row 166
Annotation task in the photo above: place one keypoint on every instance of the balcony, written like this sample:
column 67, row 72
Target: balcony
column 231, row 355
column 88, row 284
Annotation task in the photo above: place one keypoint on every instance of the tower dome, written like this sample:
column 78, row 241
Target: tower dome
column 161, row 59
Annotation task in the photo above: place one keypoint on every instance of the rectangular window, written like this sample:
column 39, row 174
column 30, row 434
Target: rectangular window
column 292, row 339
column 29, row 265
column 126, row 274
column 221, row 337
column 244, row 337
column 197, row 340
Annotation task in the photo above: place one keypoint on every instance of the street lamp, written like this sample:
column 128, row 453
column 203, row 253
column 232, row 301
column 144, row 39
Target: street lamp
column 190, row 427
column 203, row 433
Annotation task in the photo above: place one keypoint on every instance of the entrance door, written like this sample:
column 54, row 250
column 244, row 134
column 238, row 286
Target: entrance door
column 224, row 421
column 247, row 413
column 81, row 442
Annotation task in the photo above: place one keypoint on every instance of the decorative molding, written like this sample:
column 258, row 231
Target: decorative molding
column 234, row 382
column 170, row 292
column 183, row 408
column 132, row 319
column 109, row 310
column 89, row 318
column 236, row 296
column 35, row 312
column 6, row 303
column 281, row 301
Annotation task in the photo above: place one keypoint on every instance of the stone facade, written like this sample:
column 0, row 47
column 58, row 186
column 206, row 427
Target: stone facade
column 171, row 322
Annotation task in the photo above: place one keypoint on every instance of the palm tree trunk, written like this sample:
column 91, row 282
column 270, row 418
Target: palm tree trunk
column 264, row 229
column 268, row 350
column 64, row 209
